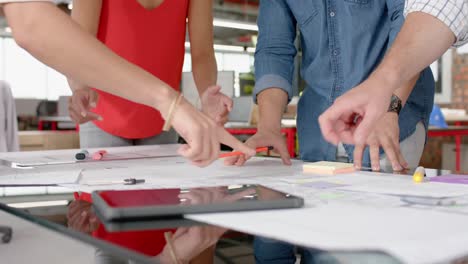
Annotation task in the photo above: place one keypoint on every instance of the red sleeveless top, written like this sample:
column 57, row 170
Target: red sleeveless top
column 148, row 242
column 152, row 39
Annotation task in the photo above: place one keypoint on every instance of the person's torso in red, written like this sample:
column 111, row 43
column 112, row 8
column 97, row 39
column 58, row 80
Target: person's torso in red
column 155, row 41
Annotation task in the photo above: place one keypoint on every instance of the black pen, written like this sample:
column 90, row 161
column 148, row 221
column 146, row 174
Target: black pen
column 129, row 181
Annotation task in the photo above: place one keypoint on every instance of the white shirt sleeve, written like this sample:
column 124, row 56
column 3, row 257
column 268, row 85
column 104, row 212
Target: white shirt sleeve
column 454, row 13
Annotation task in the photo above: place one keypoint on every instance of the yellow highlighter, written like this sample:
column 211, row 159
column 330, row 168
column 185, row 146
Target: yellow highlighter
column 418, row 175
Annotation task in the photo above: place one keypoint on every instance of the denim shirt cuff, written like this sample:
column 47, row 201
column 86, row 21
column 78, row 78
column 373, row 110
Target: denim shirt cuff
column 272, row 81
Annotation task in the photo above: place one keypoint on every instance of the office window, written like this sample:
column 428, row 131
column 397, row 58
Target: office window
column 26, row 75
column 442, row 71
column 2, row 60
column 236, row 62
column 219, row 60
column 57, row 84
column 239, row 63
column 187, row 63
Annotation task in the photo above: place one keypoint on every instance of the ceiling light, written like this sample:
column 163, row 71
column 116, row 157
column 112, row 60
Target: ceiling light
column 227, row 48
column 234, row 24
column 251, row 50
column 233, row 48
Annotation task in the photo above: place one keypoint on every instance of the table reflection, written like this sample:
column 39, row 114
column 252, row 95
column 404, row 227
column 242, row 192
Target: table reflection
column 192, row 244
column 187, row 244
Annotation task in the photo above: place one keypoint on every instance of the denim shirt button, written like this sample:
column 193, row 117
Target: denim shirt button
column 335, row 52
column 332, row 14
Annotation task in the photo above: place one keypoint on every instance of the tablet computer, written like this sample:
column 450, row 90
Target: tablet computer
column 124, row 205
column 149, row 224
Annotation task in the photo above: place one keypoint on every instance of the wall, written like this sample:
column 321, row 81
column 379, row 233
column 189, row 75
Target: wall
column 460, row 82
column 432, row 156
column 26, row 107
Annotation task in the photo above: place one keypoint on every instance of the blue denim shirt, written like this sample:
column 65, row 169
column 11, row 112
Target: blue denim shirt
column 342, row 43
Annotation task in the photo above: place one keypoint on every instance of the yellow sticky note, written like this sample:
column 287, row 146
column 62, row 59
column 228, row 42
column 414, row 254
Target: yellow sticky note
column 327, row 167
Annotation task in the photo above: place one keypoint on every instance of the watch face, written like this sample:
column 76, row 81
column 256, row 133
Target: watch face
column 395, row 104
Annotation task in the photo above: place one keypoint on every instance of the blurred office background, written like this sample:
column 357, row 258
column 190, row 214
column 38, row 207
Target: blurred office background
column 40, row 92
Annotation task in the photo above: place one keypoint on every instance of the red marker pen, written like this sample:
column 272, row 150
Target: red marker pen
column 99, row 155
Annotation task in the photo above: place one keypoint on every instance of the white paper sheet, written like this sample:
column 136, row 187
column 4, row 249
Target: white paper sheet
column 353, row 211
column 397, row 184
column 44, row 158
column 404, row 233
column 179, row 173
column 67, row 177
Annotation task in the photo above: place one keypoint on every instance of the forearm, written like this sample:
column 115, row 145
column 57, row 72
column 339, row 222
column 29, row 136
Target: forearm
column 86, row 14
column 422, row 39
column 205, row 72
column 200, row 29
column 271, row 103
column 80, row 56
column 405, row 90
column 75, row 85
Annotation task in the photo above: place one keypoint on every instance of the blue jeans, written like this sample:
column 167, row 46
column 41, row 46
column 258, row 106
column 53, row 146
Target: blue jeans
column 276, row 252
column 269, row 251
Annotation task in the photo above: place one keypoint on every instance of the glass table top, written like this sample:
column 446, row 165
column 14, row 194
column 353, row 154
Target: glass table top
column 166, row 240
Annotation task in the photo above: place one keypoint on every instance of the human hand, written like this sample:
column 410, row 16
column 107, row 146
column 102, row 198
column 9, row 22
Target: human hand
column 386, row 135
column 263, row 137
column 189, row 242
column 216, row 105
column 354, row 115
column 80, row 105
column 81, row 218
column 203, row 135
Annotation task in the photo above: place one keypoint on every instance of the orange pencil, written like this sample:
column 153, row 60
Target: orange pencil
column 238, row 153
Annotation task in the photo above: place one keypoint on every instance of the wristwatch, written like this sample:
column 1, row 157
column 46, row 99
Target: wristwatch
column 395, row 104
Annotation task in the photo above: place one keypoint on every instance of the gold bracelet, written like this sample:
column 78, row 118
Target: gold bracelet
column 167, row 236
column 175, row 102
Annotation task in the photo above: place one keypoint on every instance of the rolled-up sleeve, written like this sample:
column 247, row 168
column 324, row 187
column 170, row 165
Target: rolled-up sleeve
column 453, row 13
column 395, row 8
column 275, row 52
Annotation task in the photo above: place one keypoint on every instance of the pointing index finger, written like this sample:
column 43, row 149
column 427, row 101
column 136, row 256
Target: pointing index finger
column 228, row 139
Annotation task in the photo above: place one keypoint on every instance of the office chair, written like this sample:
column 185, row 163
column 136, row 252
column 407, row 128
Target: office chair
column 6, row 233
